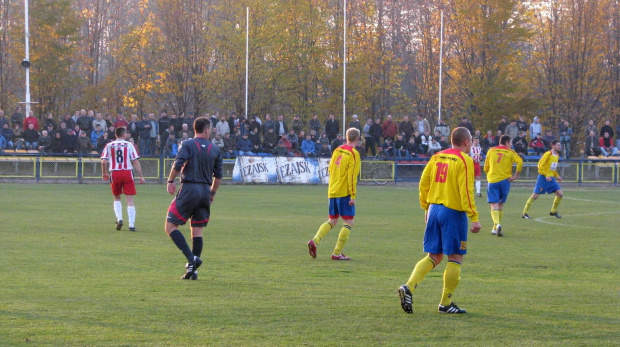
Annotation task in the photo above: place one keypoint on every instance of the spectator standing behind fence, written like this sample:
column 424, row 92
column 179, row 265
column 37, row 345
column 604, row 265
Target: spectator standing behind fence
column 268, row 123
column 538, row 145
column 297, row 124
column 332, row 127
column 281, row 150
column 145, row 135
column 406, row 128
column 548, row 138
column 169, row 144
column 501, row 127
column 355, row 123
column 100, row 122
column 293, row 139
column 222, row 126
column 465, row 123
column 535, row 128
column 566, row 133
column 607, row 129
column 315, row 124
column 244, row 145
column 376, row 131
column 592, row 147
column 607, row 145
column 522, row 125
column 17, row 117
column 512, row 130
column 369, row 142
column 422, row 125
column 230, row 147
column 591, row 127
column 389, row 129
column 443, row 128
column 69, row 141
column 3, row 120
column 425, row 141
column 488, row 142
column 281, row 127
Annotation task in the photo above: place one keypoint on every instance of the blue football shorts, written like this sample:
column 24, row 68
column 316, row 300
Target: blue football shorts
column 544, row 187
column 498, row 192
column 446, row 231
column 339, row 207
column 193, row 200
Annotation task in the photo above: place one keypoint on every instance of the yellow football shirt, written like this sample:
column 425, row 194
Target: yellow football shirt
column 548, row 164
column 448, row 179
column 344, row 168
column 498, row 164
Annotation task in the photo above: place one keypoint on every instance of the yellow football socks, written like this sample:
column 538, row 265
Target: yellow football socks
column 501, row 216
column 451, row 279
column 495, row 215
column 556, row 203
column 342, row 239
column 528, row 204
column 323, row 230
column 421, row 269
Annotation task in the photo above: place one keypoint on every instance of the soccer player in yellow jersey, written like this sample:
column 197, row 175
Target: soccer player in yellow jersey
column 447, row 196
column 344, row 168
column 548, row 179
column 498, row 167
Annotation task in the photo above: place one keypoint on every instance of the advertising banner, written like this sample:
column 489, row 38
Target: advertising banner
column 295, row 170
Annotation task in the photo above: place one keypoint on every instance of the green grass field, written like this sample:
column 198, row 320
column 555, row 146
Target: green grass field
column 69, row 278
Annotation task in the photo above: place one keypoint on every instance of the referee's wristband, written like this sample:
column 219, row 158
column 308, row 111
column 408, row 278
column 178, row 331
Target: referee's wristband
column 171, row 181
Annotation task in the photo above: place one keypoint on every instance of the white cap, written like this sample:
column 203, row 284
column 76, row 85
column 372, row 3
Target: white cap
column 354, row 116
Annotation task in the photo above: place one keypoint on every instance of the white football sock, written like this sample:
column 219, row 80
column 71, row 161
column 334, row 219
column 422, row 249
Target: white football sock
column 131, row 212
column 118, row 210
column 477, row 187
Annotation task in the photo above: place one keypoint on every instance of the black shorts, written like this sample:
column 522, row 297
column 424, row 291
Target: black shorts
column 193, row 200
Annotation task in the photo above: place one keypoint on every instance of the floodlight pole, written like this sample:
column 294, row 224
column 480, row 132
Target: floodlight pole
column 26, row 62
column 247, row 56
column 344, row 72
column 440, row 69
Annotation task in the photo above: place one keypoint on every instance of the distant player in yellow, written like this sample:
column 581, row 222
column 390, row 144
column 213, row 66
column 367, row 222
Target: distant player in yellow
column 344, row 168
column 548, row 179
column 447, row 196
column 498, row 166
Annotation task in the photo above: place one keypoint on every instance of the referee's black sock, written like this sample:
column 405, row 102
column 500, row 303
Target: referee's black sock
column 197, row 246
column 179, row 240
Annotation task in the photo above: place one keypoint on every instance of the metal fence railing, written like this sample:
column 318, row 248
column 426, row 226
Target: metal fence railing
column 34, row 166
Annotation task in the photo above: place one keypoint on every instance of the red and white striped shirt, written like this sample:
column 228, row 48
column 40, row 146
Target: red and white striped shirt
column 476, row 153
column 120, row 154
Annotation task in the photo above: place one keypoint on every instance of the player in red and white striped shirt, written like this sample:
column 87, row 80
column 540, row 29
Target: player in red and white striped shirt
column 476, row 154
column 120, row 158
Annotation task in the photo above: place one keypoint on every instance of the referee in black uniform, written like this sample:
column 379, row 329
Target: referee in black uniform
column 200, row 164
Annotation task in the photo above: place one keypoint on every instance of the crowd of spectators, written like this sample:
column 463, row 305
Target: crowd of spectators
column 88, row 132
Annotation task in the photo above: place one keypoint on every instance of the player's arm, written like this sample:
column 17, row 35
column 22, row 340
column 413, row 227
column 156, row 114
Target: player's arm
column 425, row 183
column 105, row 175
column 519, row 161
column 466, row 189
column 136, row 165
column 354, row 171
column 217, row 176
column 487, row 161
column 181, row 159
column 543, row 165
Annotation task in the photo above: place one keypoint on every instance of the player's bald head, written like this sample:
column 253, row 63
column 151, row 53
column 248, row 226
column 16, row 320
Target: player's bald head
column 460, row 136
